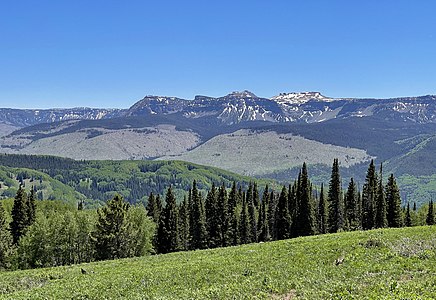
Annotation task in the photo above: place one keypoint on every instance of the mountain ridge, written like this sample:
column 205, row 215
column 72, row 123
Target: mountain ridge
column 237, row 107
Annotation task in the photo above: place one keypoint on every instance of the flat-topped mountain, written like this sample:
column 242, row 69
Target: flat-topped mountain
column 237, row 107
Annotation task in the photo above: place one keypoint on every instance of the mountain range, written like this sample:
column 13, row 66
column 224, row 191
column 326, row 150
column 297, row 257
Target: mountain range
column 243, row 133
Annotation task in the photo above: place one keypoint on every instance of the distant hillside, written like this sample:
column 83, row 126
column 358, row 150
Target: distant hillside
column 376, row 264
column 46, row 187
column 134, row 180
column 252, row 152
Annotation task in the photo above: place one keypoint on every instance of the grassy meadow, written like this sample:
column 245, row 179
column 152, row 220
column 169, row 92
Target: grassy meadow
column 378, row 264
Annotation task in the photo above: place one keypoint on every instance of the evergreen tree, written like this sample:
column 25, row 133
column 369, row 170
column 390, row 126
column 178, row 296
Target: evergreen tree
column 31, row 207
column 322, row 212
column 252, row 211
column 414, row 206
column 263, row 223
column 336, row 215
column 5, row 240
column 168, row 230
column 225, row 217
column 112, row 230
column 294, row 206
column 283, row 218
column 213, row 218
column 19, row 216
column 369, row 194
column 306, row 215
column 393, row 201
column 80, row 205
column 233, row 230
column 352, row 214
column 272, row 212
column 408, row 219
column 153, row 208
column 256, row 199
column 198, row 226
column 184, row 231
column 430, row 214
column 380, row 215
column 244, row 224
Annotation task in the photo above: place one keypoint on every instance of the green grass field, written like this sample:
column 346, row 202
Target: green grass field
column 379, row 264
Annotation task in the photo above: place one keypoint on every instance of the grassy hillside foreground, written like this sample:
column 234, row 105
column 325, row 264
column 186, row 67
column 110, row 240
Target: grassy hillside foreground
column 380, row 264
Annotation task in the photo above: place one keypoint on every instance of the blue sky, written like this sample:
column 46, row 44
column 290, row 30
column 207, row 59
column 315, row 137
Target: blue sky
column 112, row 53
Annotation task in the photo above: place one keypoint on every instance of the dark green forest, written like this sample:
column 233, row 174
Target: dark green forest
column 41, row 233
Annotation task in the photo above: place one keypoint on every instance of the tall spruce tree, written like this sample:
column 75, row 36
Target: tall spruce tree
column 306, row 217
column 112, row 230
column 322, row 212
column 168, row 230
column 244, row 223
column 429, row 220
column 213, row 218
column 272, row 212
column 369, row 195
column 19, row 215
column 263, row 223
column 153, row 208
column 336, row 215
column 352, row 214
column 5, row 240
column 408, row 219
column 393, row 201
column 184, row 232
column 31, row 207
column 283, row 218
column 251, row 194
column 381, row 213
column 294, row 206
column 232, row 215
column 225, row 217
column 198, row 226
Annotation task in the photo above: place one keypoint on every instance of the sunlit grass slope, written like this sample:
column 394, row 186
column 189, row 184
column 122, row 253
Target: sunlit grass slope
column 380, row 264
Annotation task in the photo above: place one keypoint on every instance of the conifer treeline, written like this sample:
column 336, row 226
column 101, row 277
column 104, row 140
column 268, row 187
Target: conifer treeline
column 224, row 218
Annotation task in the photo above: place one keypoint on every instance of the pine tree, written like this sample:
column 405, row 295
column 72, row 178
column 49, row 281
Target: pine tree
column 272, row 212
column 393, row 201
column 31, row 207
column 112, row 230
column 322, row 212
column 153, row 208
column 256, row 199
column 80, row 205
column 306, row 217
column 225, row 217
column 352, row 215
column 380, row 215
column 283, row 218
column 263, row 224
column 336, row 215
column 19, row 215
column 244, row 223
column 5, row 240
column 213, row 219
column 168, row 230
column 198, row 226
column 251, row 193
column 184, row 231
column 430, row 214
column 294, row 206
column 408, row 219
column 369, row 197
column 414, row 206
column 233, row 230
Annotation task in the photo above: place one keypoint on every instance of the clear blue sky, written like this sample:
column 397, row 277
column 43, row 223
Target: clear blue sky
column 112, row 53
